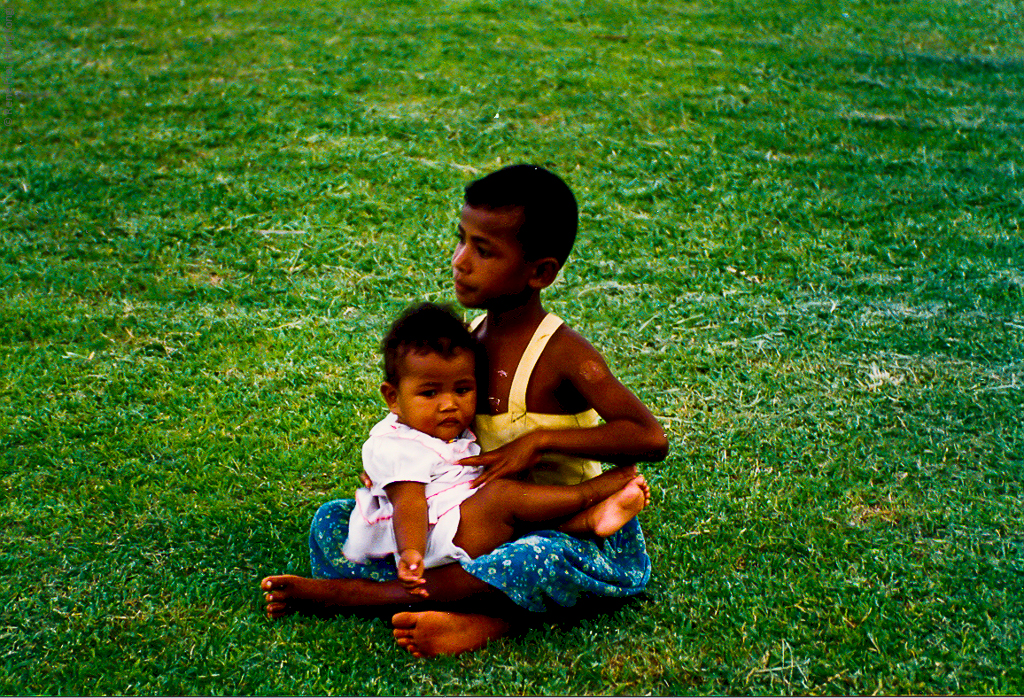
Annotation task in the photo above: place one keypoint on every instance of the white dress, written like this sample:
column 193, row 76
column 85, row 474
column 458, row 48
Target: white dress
column 398, row 453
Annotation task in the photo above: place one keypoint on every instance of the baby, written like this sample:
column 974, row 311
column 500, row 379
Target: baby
column 422, row 507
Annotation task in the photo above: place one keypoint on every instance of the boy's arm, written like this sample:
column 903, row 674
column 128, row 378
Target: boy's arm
column 410, row 524
column 630, row 432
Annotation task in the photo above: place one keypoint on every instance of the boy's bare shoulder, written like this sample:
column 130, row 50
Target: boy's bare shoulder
column 576, row 356
column 566, row 338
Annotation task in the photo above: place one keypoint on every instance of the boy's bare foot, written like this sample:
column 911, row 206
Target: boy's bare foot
column 607, row 517
column 615, row 477
column 610, row 514
column 288, row 593
column 430, row 633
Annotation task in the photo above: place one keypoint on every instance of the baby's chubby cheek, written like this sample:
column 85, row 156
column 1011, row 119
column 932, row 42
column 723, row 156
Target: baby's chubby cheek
column 592, row 371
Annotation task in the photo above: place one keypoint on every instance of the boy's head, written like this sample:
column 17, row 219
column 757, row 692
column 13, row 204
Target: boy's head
column 429, row 371
column 517, row 228
column 549, row 215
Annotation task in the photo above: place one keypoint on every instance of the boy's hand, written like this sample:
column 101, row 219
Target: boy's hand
column 365, row 479
column 514, row 457
column 410, row 573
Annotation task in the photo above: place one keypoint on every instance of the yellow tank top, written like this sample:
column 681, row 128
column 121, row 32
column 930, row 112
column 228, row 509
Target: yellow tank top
column 497, row 430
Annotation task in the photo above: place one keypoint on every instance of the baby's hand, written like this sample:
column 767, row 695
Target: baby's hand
column 410, row 573
column 365, row 480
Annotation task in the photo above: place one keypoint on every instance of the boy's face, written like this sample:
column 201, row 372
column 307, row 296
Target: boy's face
column 488, row 263
column 435, row 394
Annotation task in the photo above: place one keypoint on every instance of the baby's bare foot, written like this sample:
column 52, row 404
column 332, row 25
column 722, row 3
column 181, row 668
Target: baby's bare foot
column 608, row 516
column 431, row 633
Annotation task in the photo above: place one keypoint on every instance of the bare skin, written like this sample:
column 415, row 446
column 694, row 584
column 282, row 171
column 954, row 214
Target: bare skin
column 429, row 634
column 489, row 518
column 608, row 516
column 288, row 593
column 490, row 272
column 433, row 633
column 494, row 514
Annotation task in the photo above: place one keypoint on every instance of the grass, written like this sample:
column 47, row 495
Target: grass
column 801, row 247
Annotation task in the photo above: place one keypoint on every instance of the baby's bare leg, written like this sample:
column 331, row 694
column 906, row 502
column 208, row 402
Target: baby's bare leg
column 489, row 517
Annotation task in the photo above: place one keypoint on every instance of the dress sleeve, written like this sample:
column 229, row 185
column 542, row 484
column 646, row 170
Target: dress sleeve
column 389, row 459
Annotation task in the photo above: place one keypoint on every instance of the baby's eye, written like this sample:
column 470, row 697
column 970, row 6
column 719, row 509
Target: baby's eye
column 463, row 391
column 484, row 252
column 428, row 393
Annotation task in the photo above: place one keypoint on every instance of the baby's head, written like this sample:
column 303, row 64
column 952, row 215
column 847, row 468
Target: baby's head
column 429, row 371
column 517, row 228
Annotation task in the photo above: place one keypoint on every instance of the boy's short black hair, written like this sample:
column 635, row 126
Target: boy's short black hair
column 550, row 214
column 420, row 328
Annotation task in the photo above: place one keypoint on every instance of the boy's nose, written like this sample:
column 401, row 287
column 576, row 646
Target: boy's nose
column 459, row 258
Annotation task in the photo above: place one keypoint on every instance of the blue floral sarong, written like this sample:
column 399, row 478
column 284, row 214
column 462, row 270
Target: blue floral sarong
column 541, row 571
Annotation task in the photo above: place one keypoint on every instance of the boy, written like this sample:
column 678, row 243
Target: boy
column 517, row 228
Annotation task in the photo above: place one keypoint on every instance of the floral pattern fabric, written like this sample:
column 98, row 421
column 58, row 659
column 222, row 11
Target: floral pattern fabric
column 540, row 571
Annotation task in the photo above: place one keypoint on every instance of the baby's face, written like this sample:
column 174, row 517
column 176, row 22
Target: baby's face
column 435, row 394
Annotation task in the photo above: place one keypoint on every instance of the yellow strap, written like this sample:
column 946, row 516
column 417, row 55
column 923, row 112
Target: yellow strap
column 517, row 395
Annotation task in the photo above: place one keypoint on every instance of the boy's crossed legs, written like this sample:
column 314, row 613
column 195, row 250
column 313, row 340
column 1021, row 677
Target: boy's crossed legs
column 488, row 519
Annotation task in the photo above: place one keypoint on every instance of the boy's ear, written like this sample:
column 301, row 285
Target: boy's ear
column 545, row 270
column 390, row 393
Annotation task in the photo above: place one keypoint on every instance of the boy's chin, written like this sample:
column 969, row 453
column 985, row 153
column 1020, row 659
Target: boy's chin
column 468, row 301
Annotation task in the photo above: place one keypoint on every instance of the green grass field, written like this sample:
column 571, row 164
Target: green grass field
column 801, row 246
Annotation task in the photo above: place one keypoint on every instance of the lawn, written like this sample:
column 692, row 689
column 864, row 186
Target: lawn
column 800, row 245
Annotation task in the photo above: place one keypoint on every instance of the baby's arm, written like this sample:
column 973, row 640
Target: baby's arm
column 410, row 524
column 630, row 432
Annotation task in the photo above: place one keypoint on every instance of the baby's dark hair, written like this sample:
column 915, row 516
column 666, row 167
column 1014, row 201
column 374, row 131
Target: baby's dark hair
column 550, row 214
column 421, row 328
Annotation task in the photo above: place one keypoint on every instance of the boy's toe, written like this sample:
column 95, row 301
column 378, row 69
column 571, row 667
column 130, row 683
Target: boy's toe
column 410, row 647
column 276, row 610
column 404, row 620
